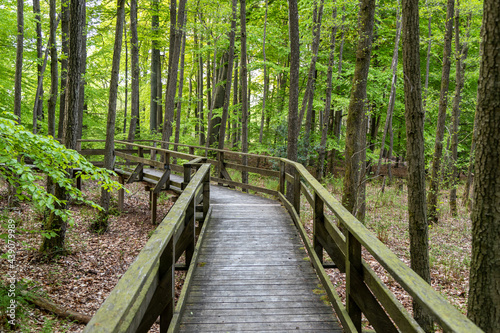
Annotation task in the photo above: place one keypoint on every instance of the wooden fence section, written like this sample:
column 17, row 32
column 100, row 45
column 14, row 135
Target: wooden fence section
column 342, row 237
column 146, row 290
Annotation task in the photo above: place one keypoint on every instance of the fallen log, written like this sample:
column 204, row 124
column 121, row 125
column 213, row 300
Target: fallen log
column 57, row 309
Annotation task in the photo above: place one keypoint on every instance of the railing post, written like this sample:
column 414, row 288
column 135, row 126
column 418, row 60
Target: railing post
column 152, row 154
column 220, row 160
column 319, row 220
column 353, row 267
column 191, row 150
column 206, row 195
column 296, row 192
column 189, row 224
column 121, row 194
column 282, row 177
column 187, row 175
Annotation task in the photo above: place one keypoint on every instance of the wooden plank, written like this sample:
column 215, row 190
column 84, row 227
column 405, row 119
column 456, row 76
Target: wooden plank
column 260, row 171
column 138, row 159
column 245, row 186
column 135, row 174
column 162, row 181
column 259, row 327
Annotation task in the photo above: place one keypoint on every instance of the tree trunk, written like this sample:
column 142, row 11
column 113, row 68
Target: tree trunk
column 293, row 99
column 83, row 69
column 414, row 116
column 236, row 122
column 65, row 8
column 155, row 61
column 227, row 96
column 244, row 97
column 328, row 100
column 181, row 85
column 432, row 196
column 55, row 222
column 266, row 79
column 428, row 62
column 134, row 46
column 172, row 75
column 484, row 296
column 461, row 56
column 101, row 224
column 126, row 80
column 19, row 60
column 38, row 113
column 54, row 76
column 392, row 96
column 357, row 106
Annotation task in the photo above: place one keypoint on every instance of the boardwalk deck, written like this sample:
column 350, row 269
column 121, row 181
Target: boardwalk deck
column 253, row 273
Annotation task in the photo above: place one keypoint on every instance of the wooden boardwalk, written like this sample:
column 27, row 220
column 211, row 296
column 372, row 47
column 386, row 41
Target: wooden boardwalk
column 253, row 273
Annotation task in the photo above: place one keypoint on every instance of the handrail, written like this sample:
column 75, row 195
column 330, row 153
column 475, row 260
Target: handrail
column 366, row 293
column 146, row 289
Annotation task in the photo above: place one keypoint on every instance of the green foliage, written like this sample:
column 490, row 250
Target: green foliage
column 18, row 147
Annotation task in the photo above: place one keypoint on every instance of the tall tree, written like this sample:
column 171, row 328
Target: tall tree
column 19, row 59
column 229, row 75
column 65, row 4
column 101, row 223
column 461, row 51
column 181, row 85
column 76, row 22
column 244, row 92
column 155, row 68
column 432, row 196
column 134, row 46
column 38, row 113
column 484, row 286
column 293, row 97
column 172, row 74
column 328, row 99
column 54, row 76
column 414, row 116
column 357, row 106
column 266, row 77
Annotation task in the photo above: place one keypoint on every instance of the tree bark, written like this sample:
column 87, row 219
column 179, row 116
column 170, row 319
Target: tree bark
column 172, row 75
column 432, row 196
column 181, row 85
column 414, row 116
column 83, row 69
column 266, row 79
column 38, row 112
column 227, row 92
column 54, row 222
column 392, row 96
column 357, row 106
column 236, row 117
column 293, row 99
column 155, row 67
column 461, row 50
column 65, row 9
column 428, row 62
column 328, row 100
column 101, row 224
column 244, row 96
column 19, row 60
column 134, row 46
column 484, row 287
column 54, row 76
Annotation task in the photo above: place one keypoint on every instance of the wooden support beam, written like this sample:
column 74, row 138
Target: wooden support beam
column 154, row 200
column 296, row 192
column 318, row 220
column 137, row 173
column 121, row 194
column 354, row 270
column 163, row 182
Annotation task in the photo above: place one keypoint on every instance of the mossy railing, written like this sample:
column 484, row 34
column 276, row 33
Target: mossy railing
column 146, row 290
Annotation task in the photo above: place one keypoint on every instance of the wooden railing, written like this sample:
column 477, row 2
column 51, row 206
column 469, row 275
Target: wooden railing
column 343, row 239
column 146, row 290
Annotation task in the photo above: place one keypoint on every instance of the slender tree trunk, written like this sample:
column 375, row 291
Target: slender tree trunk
column 200, row 95
column 172, row 75
column 65, row 4
column 101, row 224
column 235, row 137
column 126, row 80
column 266, row 79
column 484, row 295
column 244, row 97
column 38, row 113
column 414, row 116
column 155, row 61
column 392, row 96
column 466, row 197
column 181, row 85
column 54, row 222
column 357, row 106
column 428, row 62
column 134, row 45
column 461, row 51
column 19, row 60
column 54, row 76
column 293, row 99
column 227, row 97
column 82, row 106
column 432, row 196
column 328, row 99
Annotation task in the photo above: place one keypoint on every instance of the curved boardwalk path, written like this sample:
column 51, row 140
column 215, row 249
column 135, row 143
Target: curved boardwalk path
column 253, row 273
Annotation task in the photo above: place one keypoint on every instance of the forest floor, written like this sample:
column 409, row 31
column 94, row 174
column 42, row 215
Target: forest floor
column 82, row 279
